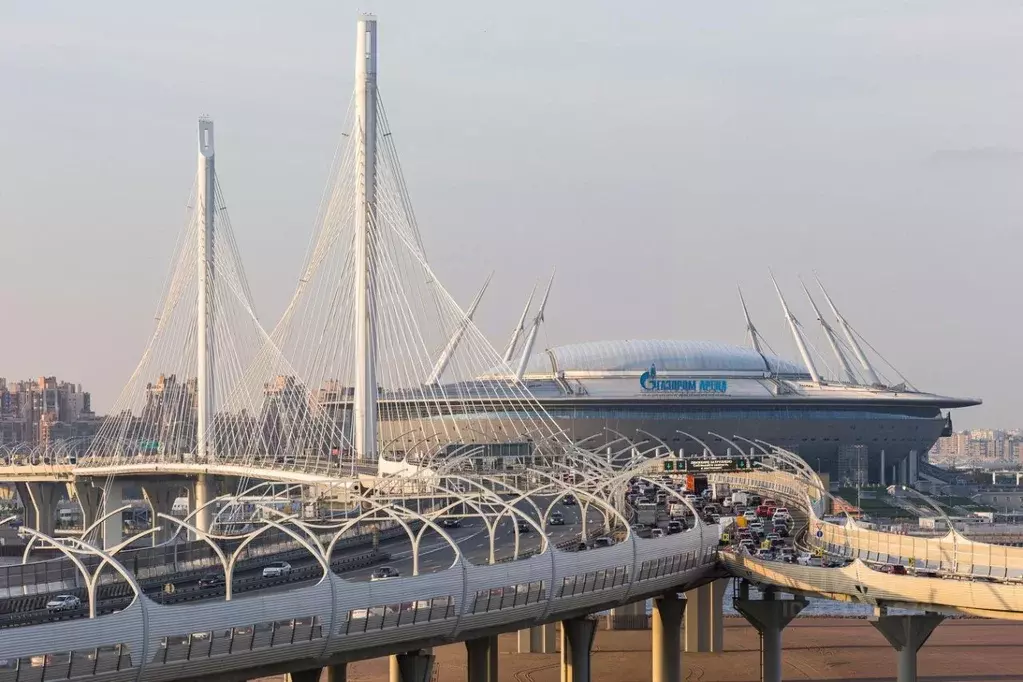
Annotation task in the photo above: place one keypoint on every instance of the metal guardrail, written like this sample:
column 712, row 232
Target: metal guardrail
column 32, row 610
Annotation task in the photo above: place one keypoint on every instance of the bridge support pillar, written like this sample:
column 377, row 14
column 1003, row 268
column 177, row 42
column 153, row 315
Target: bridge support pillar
column 576, row 642
column 542, row 639
column 200, row 496
column 906, row 634
column 40, row 501
column 337, row 672
column 717, row 615
column 666, row 635
column 482, row 659
column 413, row 666
column 113, row 527
column 90, row 499
column 311, row 675
column 769, row 616
column 161, row 495
column 698, row 619
column 628, row 617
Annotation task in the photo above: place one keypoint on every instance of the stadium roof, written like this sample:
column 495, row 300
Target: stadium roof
column 669, row 356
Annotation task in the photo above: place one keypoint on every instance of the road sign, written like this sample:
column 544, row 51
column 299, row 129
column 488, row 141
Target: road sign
column 669, row 465
column 820, row 533
column 169, row 588
column 716, row 465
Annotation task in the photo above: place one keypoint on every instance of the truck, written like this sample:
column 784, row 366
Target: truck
column 646, row 513
column 739, row 497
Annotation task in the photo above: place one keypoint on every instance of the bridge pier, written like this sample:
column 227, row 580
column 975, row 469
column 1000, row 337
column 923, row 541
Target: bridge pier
column 412, row 666
column 629, row 616
column 541, row 639
column 705, row 625
column 200, row 495
column 906, row 634
column 39, row 498
column 90, row 499
column 482, row 659
column 576, row 642
column 113, row 526
column 666, row 635
column 160, row 494
column 769, row 616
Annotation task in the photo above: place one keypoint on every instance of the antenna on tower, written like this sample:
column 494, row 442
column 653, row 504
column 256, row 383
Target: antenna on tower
column 850, row 337
column 850, row 376
column 797, row 335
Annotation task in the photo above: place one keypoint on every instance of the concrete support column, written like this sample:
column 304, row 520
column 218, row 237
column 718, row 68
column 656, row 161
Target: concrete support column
column 904, row 471
column 914, row 466
column 666, row 634
column 882, row 469
column 39, row 498
column 113, row 527
column 541, row 639
column 717, row 614
column 337, row 672
column 161, row 495
column 769, row 616
column 576, row 643
column 413, row 666
column 698, row 619
column 482, row 659
column 311, row 675
column 906, row 634
column 628, row 617
column 200, row 496
column 90, row 499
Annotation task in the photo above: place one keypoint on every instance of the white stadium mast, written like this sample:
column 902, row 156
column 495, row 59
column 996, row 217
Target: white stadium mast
column 832, row 339
column 205, row 201
column 534, row 328
column 365, row 397
column 851, row 338
column 519, row 328
column 751, row 331
column 797, row 335
column 449, row 350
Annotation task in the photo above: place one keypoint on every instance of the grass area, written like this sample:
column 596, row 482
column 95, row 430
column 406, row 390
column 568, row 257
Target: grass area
column 878, row 506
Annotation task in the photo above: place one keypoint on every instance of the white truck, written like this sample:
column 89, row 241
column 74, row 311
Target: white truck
column 646, row 513
column 739, row 497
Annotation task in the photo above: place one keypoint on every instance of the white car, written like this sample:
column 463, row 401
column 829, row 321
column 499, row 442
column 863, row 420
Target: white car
column 750, row 515
column 278, row 569
column 782, row 514
column 64, row 602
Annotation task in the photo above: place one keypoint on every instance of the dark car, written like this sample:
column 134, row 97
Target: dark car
column 569, row 501
column 451, row 523
column 894, row 569
column 210, row 581
column 557, row 519
column 524, row 527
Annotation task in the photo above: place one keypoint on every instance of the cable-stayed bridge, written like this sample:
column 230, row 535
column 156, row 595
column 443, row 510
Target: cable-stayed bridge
column 378, row 402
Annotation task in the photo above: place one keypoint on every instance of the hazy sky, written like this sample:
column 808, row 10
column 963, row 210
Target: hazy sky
column 658, row 153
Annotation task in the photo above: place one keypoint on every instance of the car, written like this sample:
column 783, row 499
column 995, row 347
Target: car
column 569, row 501
column 384, row 573
column 64, row 602
column 277, row 569
column 749, row 514
column 524, row 527
column 788, row 555
column 675, row 527
column 656, row 533
column 556, row 519
column 581, row 547
column 765, row 554
column 782, row 513
column 451, row 523
column 210, row 581
column 894, row 569
column 605, row 541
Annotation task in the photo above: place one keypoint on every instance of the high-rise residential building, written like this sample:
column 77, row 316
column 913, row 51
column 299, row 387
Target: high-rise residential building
column 44, row 409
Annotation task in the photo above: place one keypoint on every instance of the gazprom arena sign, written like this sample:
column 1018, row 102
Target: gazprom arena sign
column 648, row 381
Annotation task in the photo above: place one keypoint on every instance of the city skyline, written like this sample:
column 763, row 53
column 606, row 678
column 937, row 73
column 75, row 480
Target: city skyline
column 886, row 191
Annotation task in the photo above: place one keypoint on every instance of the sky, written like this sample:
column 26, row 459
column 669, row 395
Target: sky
column 658, row 154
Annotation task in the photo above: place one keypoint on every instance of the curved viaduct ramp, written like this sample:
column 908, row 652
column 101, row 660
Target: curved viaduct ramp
column 857, row 582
